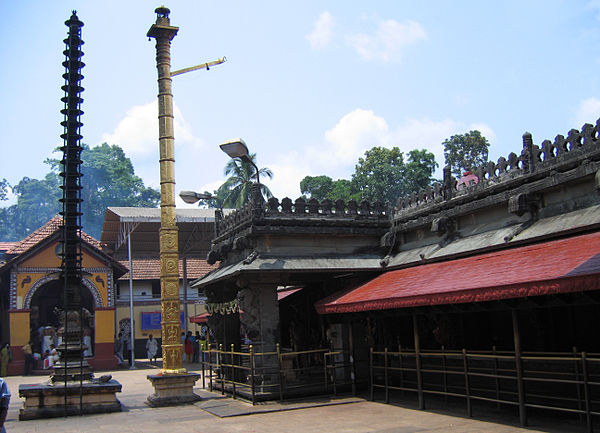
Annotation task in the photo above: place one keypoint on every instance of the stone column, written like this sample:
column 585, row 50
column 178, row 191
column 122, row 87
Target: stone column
column 174, row 385
column 260, row 321
column 163, row 32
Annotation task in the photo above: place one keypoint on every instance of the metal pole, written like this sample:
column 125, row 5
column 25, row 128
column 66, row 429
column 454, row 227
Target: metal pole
column 185, row 293
column 131, row 321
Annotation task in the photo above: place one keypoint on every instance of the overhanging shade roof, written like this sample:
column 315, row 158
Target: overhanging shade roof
column 559, row 266
column 264, row 265
column 195, row 229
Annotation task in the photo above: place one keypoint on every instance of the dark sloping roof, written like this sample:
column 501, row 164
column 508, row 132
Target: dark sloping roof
column 564, row 265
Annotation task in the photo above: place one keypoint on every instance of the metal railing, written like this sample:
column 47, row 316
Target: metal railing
column 555, row 381
column 279, row 375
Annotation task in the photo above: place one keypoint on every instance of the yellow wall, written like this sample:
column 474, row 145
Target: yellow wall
column 19, row 328
column 101, row 286
column 45, row 258
column 24, row 283
column 105, row 326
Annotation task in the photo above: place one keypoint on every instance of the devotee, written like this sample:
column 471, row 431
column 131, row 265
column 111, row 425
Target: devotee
column 151, row 348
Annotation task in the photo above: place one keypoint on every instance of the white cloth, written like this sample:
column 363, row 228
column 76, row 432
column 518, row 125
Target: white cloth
column 151, row 348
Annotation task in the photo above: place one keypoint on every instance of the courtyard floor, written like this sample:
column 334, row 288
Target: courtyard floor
column 215, row 413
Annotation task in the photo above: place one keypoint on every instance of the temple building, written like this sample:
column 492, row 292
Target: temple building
column 499, row 272
column 32, row 296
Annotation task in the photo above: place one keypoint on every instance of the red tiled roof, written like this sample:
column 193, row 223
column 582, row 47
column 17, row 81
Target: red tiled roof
column 44, row 232
column 565, row 265
column 149, row 268
column 5, row 246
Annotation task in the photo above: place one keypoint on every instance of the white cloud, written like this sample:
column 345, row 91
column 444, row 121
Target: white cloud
column 356, row 131
column 388, row 40
column 485, row 130
column 322, row 33
column 587, row 112
column 137, row 132
column 137, row 135
column 287, row 177
column 360, row 130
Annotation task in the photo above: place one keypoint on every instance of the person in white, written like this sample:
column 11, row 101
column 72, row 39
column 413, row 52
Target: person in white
column 151, row 348
column 53, row 357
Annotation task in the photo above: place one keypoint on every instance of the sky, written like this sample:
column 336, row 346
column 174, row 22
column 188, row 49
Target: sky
column 309, row 86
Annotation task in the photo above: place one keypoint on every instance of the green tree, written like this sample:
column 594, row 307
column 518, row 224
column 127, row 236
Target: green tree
column 419, row 170
column 322, row 187
column 242, row 175
column 380, row 175
column 37, row 202
column 4, row 187
column 465, row 152
column 108, row 180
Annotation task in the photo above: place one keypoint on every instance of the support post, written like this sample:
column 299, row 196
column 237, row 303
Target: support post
column 519, row 368
column 418, row 360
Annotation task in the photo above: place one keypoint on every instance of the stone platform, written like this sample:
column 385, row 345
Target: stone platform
column 173, row 390
column 48, row 400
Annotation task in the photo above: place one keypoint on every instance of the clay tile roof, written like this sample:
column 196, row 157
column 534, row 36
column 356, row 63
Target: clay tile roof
column 148, row 268
column 44, row 232
column 5, row 246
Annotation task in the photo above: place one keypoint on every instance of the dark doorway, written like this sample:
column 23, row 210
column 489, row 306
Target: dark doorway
column 44, row 320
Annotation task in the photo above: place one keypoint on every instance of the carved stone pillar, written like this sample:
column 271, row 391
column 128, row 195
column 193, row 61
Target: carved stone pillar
column 260, row 322
column 173, row 386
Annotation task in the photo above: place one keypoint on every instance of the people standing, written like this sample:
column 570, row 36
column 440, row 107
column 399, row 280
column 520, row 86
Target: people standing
column 5, row 358
column 151, row 348
column 28, row 353
column 188, row 347
column 196, row 346
column 4, row 402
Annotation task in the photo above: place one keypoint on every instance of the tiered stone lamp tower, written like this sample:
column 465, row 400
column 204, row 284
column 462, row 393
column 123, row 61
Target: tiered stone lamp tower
column 72, row 389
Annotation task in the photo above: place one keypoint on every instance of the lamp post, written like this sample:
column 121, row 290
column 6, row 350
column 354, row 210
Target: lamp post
column 192, row 197
column 237, row 148
column 189, row 197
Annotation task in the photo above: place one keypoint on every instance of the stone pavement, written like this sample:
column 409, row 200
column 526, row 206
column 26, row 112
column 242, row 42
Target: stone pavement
column 217, row 414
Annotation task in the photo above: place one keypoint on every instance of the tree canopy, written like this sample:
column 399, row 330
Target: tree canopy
column 465, row 152
column 383, row 174
column 108, row 180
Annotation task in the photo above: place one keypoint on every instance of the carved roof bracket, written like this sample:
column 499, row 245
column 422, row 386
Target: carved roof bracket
column 521, row 203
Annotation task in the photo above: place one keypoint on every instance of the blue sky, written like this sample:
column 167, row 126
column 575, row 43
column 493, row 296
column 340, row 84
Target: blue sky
column 309, row 86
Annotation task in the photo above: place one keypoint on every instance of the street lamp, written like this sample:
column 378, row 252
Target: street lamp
column 192, row 197
column 237, row 148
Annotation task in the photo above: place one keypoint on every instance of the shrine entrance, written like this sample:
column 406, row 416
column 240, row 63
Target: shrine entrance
column 46, row 305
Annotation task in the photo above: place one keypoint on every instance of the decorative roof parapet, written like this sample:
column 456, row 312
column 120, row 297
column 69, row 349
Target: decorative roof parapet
column 533, row 160
column 300, row 209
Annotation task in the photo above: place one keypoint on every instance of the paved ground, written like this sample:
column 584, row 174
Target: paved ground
column 354, row 415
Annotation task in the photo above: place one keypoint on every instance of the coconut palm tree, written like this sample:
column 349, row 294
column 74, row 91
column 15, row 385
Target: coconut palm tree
column 242, row 175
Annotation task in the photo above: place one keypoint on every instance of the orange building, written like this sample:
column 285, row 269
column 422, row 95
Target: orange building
column 31, row 291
